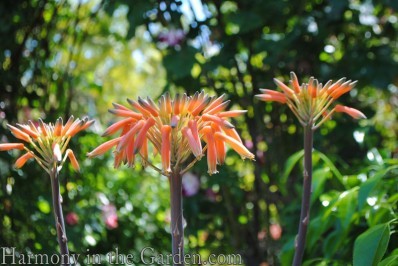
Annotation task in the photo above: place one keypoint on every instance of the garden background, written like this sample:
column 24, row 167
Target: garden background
column 77, row 57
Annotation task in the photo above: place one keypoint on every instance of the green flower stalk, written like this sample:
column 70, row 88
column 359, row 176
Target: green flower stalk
column 312, row 104
column 181, row 130
column 47, row 145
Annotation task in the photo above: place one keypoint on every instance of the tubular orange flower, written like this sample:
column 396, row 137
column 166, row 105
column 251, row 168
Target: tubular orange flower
column 73, row 161
column 19, row 134
column 46, row 143
column 237, row 146
column 104, row 147
column 211, row 150
column 350, row 111
column 23, row 159
column 311, row 101
column 174, row 127
column 49, row 142
column 11, row 146
column 193, row 144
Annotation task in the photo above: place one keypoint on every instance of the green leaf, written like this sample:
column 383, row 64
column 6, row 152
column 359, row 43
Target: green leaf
column 319, row 178
column 331, row 165
column 390, row 260
column 343, row 207
column 370, row 246
column 367, row 187
column 290, row 163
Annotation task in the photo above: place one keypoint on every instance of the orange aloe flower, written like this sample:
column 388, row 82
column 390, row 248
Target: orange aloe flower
column 46, row 143
column 178, row 129
column 312, row 102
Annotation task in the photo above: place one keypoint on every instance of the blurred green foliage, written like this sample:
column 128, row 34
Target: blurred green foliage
column 77, row 57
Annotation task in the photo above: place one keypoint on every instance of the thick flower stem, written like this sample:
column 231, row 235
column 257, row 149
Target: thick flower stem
column 306, row 198
column 59, row 218
column 177, row 229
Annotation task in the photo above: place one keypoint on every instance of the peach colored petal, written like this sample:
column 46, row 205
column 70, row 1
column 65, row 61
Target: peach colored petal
column 201, row 106
column 58, row 127
column 325, row 88
column 233, row 134
column 73, row 160
column 153, row 105
column 137, row 106
column 128, row 137
column 193, row 144
column 193, row 102
column 220, row 146
column 294, row 82
column 144, row 150
column 270, row 97
column 166, row 148
column 121, row 107
column 211, row 150
column 142, row 134
column 119, row 156
column 23, row 159
column 19, row 134
column 27, row 130
column 87, row 124
column 237, row 146
column 215, row 103
column 148, row 107
column 193, row 126
column 67, row 125
column 176, row 104
column 162, row 106
column 233, row 113
column 74, row 128
column 117, row 126
column 219, row 108
column 130, row 152
column 335, row 85
column 313, row 87
column 289, row 92
column 169, row 104
column 125, row 113
column 43, row 128
column 101, row 149
column 350, row 111
column 184, row 103
column 217, row 120
column 11, row 146
column 33, row 127
column 344, row 88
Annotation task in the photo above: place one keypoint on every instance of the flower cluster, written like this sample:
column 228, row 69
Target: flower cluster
column 176, row 128
column 46, row 143
column 312, row 101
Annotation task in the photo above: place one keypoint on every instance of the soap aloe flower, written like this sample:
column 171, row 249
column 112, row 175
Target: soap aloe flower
column 181, row 131
column 47, row 144
column 313, row 104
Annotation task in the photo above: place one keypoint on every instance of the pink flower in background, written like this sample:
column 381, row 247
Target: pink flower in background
column 190, row 184
column 172, row 37
column 72, row 219
column 275, row 230
column 109, row 216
